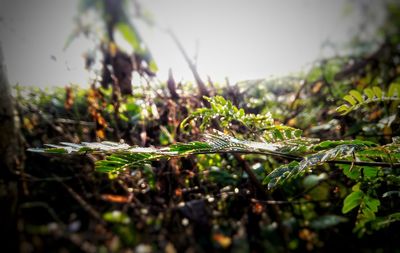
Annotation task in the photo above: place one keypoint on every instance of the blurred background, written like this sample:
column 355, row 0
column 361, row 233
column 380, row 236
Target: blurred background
column 225, row 39
column 319, row 79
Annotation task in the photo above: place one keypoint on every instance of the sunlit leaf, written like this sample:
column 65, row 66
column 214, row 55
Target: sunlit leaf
column 357, row 95
column 116, row 217
column 350, row 99
column 352, row 201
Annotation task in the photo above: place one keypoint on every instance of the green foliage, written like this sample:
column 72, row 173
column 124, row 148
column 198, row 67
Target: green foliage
column 116, row 217
column 120, row 161
column 374, row 94
column 352, row 201
column 360, row 160
column 383, row 222
column 183, row 148
column 323, row 152
column 224, row 111
column 122, row 156
column 332, row 144
column 280, row 174
column 306, row 183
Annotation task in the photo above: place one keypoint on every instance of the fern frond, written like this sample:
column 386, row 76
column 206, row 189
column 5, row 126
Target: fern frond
column 342, row 152
column 122, row 156
column 121, row 161
column 290, row 148
column 355, row 99
column 84, row 147
column 280, row 174
column 331, row 144
column 277, row 133
column 305, row 152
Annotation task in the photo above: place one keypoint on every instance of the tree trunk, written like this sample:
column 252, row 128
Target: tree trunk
column 11, row 160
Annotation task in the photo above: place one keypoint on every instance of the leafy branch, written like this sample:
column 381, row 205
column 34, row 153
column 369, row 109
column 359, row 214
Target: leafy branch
column 122, row 156
column 374, row 94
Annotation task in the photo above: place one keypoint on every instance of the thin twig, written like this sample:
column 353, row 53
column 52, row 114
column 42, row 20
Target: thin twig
column 192, row 66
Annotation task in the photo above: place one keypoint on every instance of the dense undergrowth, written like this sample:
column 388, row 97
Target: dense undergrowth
column 228, row 180
column 302, row 163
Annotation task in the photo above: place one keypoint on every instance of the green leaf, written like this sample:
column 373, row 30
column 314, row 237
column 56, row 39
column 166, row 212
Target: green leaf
column 280, row 174
column 350, row 99
column 116, row 217
column 352, row 174
column 188, row 147
column 372, row 203
column 331, row 144
column 377, row 91
column 130, row 35
column 343, row 108
column 356, row 187
column 394, row 89
column 370, row 172
column 370, row 94
column 374, row 95
column 352, row 201
column 54, row 150
column 357, row 95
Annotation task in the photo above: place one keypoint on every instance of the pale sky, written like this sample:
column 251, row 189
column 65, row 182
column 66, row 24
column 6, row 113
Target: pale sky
column 238, row 39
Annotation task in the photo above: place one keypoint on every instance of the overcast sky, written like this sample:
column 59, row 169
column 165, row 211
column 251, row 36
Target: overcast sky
column 239, row 39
